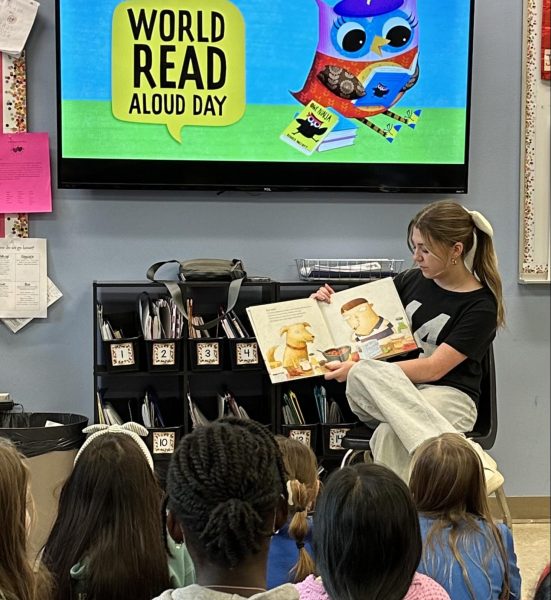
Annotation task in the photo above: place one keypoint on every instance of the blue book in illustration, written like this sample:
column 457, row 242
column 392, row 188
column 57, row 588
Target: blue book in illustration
column 384, row 84
column 343, row 134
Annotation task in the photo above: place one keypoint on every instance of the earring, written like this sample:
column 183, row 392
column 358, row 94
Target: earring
column 454, row 261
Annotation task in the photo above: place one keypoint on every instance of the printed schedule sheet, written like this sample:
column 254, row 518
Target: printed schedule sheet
column 23, row 278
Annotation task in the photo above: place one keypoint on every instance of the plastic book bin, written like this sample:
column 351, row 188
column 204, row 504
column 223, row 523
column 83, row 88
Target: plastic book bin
column 50, row 452
column 207, row 354
column 162, row 441
column 307, row 434
column 163, row 354
column 123, row 354
column 244, row 354
column 331, row 437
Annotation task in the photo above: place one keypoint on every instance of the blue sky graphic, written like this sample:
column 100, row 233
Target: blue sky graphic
column 281, row 38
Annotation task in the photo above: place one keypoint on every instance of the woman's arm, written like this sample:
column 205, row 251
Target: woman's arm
column 437, row 365
column 418, row 370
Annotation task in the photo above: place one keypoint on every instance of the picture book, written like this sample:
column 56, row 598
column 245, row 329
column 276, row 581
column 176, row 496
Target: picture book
column 297, row 338
column 310, row 127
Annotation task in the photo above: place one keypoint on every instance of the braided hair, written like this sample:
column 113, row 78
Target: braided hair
column 223, row 482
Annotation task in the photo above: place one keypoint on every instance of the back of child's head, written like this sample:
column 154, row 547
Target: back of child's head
column 447, row 478
column 367, row 540
column 448, row 486
column 302, row 485
column 109, row 519
column 17, row 581
column 224, row 484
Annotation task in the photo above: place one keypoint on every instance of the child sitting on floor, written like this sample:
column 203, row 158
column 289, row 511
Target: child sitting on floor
column 17, row 580
column 108, row 540
column 367, row 541
column 290, row 558
column 471, row 557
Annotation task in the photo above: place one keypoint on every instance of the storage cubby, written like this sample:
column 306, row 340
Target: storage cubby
column 185, row 371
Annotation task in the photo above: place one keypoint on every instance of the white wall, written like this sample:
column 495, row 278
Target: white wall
column 110, row 235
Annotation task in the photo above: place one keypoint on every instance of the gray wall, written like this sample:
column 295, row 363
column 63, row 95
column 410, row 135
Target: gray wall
column 109, row 235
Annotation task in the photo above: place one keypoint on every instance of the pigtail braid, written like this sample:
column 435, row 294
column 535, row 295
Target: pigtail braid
column 298, row 529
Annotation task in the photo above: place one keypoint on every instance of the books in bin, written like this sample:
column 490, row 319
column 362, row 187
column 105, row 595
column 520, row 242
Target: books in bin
column 298, row 337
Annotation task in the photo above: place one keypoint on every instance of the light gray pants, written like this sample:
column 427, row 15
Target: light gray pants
column 407, row 414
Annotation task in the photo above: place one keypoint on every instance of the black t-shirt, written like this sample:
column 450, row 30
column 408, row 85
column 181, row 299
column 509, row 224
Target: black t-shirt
column 466, row 321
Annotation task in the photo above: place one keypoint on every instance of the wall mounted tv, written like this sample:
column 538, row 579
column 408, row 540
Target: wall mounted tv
column 366, row 95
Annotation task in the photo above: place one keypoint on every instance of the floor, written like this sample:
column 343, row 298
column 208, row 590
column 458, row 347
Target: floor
column 532, row 545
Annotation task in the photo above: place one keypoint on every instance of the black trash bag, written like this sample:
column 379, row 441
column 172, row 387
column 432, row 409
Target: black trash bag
column 32, row 438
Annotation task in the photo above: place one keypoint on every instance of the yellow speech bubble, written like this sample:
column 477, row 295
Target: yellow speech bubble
column 178, row 63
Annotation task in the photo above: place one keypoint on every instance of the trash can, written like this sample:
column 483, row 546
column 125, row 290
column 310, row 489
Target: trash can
column 50, row 442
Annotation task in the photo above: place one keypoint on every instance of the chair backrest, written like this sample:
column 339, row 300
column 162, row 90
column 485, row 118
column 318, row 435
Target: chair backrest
column 485, row 429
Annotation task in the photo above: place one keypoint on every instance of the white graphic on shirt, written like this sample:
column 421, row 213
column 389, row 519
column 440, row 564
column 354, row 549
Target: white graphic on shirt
column 427, row 335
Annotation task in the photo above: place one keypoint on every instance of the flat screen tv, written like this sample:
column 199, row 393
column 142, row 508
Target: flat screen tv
column 365, row 95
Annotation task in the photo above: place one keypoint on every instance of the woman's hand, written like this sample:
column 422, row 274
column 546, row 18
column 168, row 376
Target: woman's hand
column 323, row 294
column 339, row 370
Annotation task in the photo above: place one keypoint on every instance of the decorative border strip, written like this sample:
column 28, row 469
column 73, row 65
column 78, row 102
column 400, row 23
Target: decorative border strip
column 531, row 68
column 13, row 112
column 14, row 94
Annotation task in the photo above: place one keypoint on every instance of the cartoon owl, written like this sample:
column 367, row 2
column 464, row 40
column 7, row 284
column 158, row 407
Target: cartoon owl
column 366, row 60
column 310, row 127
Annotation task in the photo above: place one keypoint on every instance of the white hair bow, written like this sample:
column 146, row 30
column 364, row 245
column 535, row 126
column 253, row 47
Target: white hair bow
column 132, row 429
column 481, row 222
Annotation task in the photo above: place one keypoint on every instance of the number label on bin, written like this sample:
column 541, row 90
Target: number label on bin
column 208, row 353
column 122, row 354
column 163, row 353
column 335, row 438
column 246, row 353
column 301, row 435
column 164, row 442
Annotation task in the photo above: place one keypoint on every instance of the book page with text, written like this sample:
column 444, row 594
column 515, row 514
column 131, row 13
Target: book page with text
column 291, row 335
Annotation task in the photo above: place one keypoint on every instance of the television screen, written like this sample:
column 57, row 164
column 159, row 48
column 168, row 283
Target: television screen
column 366, row 95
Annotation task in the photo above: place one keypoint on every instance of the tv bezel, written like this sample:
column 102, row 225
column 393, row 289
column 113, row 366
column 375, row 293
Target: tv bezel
column 136, row 174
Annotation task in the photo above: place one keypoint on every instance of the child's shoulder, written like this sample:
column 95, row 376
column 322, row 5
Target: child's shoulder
column 425, row 588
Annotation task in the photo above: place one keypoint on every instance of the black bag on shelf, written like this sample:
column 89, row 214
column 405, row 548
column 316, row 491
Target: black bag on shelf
column 203, row 269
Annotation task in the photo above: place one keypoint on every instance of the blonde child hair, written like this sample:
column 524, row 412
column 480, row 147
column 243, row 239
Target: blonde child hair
column 17, row 579
column 447, row 483
column 302, row 485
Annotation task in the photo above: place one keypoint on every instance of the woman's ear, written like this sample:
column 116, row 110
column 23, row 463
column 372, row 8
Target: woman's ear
column 457, row 250
column 174, row 528
column 281, row 513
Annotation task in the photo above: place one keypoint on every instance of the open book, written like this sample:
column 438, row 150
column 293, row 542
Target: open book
column 298, row 337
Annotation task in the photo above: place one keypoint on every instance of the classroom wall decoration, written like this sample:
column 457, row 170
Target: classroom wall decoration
column 13, row 112
column 534, row 248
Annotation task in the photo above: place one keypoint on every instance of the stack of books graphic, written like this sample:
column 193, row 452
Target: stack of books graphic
column 343, row 134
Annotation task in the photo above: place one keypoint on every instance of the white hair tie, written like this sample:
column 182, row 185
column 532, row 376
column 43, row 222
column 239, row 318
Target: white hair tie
column 289, row 493
column 131, row 429
column 481, row 222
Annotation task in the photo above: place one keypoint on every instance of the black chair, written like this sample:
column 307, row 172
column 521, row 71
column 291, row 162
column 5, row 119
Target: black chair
column 484, row 432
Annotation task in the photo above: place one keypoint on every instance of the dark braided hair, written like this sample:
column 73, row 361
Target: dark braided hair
column 223, row 482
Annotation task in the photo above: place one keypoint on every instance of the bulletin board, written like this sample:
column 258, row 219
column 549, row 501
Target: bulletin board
column 534, row 246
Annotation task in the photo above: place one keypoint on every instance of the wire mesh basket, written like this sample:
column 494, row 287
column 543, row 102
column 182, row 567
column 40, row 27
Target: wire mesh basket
column 347, row 269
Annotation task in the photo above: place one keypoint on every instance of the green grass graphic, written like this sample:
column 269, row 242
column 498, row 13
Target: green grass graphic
column 91, row 131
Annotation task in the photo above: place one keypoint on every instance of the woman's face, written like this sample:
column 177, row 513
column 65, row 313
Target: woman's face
column 431, row 266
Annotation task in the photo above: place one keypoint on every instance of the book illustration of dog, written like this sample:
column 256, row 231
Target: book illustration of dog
column 295, row 353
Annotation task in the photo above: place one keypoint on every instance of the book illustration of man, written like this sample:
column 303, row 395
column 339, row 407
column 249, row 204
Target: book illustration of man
column 360, row 315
